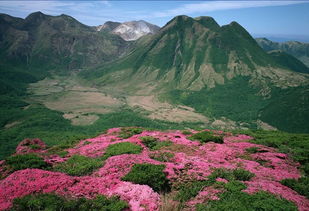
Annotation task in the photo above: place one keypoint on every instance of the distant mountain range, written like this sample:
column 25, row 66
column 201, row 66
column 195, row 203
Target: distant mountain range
column 218, row 75
column 294, row 48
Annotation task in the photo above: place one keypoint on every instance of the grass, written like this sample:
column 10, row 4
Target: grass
column 162, row 156
column 129, row 132
column 236, row 200
column 205, row 137
column 53, row 202
column 300, row 185
column 122, row 148
column 153, row 143
column 24, row 161
column 79, row 165
column 149, row 174
column 189, row 190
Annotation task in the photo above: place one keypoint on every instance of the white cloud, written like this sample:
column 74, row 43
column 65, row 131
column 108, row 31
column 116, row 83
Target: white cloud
column 211, row 6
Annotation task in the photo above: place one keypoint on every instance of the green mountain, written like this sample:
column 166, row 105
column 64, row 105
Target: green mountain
column 55, row 43
column 288, row 61
column 221, row 72
column 294, row 48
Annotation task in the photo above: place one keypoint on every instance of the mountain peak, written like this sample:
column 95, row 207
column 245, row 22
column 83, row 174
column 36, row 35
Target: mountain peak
column 208, row 22
column 133, row 30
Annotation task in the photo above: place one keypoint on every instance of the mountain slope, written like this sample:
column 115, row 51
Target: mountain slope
column 55, row 42
column 288, row 61
column 294, row 48
column 221, row 72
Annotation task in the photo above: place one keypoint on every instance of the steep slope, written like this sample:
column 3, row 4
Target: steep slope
column 288, row 61
column 296, row 49
column 215, row 70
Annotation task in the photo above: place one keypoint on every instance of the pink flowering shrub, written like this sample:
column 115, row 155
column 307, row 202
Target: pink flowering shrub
column 191, row 165
column 30, row 146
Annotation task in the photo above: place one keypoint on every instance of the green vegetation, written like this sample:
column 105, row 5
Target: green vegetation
column 206, row 136
column 191, row 189
column 149, row 174
column 188, row 190
column 128, row 132
column 231, row 175
column 79, row 165
column 234, row 199
column 236, row 99
column 300, row 185
column 122, row 148
column 40, row 122
column 24, row 161
column 153, row 143
column 54, row 202
column 162, row 156
column 252, row 150
column 186, row 132
column 296, row 145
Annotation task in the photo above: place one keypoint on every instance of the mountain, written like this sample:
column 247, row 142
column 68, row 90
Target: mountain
column 133, row 30
column 221, row 72
column 108, row 26
column 297, row 49
column 288, row 61
column 55, row 43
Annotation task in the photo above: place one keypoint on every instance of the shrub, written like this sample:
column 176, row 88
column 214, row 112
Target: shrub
column 205, row 137
column 242, row 175
column 122, row 148
column 191, row 189
column 235, row 174
column 162, row 156
column 24, row 161
column 238, row 200
column 129, row 132
column 153, row 143
column 54, row 202
column 186, row 132
column 301, row 185
column 79, row 165
column 252, row 150
column 149, row 174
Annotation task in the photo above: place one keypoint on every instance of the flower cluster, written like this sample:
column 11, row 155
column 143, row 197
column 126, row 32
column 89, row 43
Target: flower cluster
column 30, row 146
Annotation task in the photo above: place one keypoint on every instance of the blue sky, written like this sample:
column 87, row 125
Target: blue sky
column 287, row 19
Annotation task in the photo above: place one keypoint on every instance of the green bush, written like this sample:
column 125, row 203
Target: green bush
column 149, row 174
column 129, row 132
column 301, row 185
column 24, row 161
column 186, row 132
column 122, row 148
column 242, row 175
column 238, row 200
column 79, row 165
column 252, row 150
column 162, row 156
column 234, row 174
column 191, row 189
column 153, row 143
column 205, row 137
column 53, row 202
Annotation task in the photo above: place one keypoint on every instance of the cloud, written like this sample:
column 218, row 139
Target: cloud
column 211, row 6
